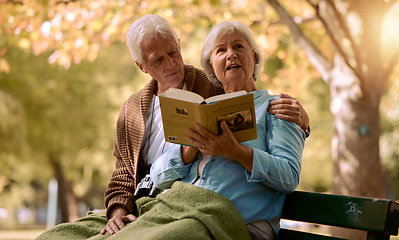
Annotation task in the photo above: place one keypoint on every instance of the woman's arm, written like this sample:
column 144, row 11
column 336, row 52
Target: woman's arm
column 188, row 153
column 279, row 168
column 170, row 167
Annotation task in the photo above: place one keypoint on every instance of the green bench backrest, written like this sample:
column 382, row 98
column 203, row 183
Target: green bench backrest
column 373, row 215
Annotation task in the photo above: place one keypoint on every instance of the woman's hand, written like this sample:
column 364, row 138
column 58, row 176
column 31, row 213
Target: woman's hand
column 289, row 109
column 117, row 221
column 225, row 144
column 188, row 153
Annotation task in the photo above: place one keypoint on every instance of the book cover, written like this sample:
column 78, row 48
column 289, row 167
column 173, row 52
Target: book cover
column 182, row 109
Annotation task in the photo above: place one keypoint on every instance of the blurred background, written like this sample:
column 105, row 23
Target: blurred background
column 65, row 70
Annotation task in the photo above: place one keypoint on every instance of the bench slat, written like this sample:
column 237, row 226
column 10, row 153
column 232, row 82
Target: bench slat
column 288, row 234
column 368, row 214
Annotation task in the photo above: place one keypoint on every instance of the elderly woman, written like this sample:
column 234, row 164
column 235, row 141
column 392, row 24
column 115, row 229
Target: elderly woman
column 255, row 175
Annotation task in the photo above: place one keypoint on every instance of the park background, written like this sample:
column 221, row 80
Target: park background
column 65, row 70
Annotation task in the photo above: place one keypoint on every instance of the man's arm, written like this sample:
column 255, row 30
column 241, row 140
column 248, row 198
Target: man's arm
column 119, row 199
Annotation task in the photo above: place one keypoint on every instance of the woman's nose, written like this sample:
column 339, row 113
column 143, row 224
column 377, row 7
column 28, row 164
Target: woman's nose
column 231, row 54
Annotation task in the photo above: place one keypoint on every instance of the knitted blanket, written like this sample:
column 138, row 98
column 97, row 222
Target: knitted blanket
column 183, row 212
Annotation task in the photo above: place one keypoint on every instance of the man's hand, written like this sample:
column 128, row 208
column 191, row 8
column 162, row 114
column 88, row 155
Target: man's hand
column 118, row 220
column 289, row 109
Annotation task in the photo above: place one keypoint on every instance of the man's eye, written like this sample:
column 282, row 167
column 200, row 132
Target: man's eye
column 173, row 53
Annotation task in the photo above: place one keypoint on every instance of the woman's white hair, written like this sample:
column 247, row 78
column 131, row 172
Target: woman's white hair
column 147, row 26
column 220, row 30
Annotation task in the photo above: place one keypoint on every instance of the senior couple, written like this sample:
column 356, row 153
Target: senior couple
column 220, row 188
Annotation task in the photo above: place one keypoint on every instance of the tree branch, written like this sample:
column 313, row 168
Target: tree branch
column 317, row 59
column 66, row 1
column 14, row 2
column 356, row 69
column 348, row 35
column 298, row 21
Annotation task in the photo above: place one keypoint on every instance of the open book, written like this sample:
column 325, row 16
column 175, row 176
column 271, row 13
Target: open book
column 181, row 109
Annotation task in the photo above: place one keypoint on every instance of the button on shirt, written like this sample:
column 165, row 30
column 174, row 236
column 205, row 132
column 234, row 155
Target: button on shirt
column 259, row 194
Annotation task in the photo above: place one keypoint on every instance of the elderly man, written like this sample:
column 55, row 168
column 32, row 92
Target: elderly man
column 155, row 49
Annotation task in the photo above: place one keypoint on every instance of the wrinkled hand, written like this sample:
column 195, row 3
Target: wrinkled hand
column 225, row 144
column 212, row 144
column 117, row 222
column 289, row 109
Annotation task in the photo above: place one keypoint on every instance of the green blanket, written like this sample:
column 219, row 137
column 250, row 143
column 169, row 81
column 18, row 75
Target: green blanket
column 183, row 212
column 83, row 228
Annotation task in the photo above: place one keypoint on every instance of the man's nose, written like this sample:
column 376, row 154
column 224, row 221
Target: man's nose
column 170, row 62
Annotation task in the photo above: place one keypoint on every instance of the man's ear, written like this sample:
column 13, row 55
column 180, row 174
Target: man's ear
column 141, row 66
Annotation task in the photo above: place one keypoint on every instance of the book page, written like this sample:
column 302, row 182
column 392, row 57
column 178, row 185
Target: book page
column 178, row 116
column 224, row 96
column 183, row 95
column 239, row 115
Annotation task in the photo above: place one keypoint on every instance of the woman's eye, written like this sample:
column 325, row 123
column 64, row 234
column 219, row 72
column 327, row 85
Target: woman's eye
column 219, row 50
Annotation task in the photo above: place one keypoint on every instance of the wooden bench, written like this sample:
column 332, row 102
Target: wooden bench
column 378, row 217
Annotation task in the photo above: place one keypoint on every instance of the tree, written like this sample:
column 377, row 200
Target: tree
column 358, row 76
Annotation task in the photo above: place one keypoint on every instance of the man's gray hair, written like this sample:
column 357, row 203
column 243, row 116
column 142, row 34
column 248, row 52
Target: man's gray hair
column 147, row 26
column 219, row 30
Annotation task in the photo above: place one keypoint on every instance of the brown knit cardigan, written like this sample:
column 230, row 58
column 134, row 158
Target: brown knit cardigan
column 130, row 129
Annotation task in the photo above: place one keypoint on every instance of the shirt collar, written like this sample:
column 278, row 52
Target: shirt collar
column 258, row 93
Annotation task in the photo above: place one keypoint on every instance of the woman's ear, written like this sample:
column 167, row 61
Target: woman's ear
column 211, row 66
column 141, row 66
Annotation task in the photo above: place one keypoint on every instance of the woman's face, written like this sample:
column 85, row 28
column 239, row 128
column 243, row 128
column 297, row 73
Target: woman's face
column 233, row 61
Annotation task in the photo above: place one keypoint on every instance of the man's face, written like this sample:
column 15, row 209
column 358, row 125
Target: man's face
column 163, row 61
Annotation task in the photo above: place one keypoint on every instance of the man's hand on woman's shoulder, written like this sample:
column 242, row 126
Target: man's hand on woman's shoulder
column 289, row 109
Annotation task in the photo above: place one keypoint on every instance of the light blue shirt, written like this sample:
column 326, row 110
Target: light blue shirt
column 260, row 194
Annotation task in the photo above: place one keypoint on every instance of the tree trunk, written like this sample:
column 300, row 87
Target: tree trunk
column 357, row 81
column 355, row 144
column 66, row 197
column 73, row 209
